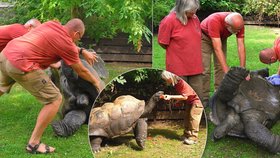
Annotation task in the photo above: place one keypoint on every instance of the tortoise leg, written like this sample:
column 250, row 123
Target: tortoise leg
column 96, row 144
column 70, row 123
column 140, row 132
column 258, row 132
column 82, row 100
column 222, row 129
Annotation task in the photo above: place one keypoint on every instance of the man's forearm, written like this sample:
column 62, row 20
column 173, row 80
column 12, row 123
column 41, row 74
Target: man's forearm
column 86, row 75
column 222, row 60
column 178, row 97
column 241, row 52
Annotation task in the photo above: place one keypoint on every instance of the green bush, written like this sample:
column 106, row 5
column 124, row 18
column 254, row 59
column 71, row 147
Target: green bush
column 103, row 18
column 161, row 9
column 221, row 5
column 262, row 7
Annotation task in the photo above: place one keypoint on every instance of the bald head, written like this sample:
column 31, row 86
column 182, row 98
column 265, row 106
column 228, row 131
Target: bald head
column 267, row 56
column 76, row 25
column 235, row 20
column 76, row 28
column 32, row 23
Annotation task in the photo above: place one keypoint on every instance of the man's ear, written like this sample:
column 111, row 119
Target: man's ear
column 273, row 59
column 29, row 27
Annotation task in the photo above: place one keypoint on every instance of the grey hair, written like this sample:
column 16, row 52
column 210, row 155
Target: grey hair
column 183, row 6
column 168, row 75
column 32, row 23
column 228, row 18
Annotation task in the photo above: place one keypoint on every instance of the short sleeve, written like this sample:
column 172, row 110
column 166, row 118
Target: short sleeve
column 70, row 55
column 240, row 34
column 165, row 30
column 277, row 45
column 214, row 29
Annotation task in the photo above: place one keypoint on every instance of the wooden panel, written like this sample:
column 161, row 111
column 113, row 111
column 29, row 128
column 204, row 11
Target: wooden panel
column 120, row 42
column 262, row 23
column 126, row 58
column 167, row 115
column 122, row 50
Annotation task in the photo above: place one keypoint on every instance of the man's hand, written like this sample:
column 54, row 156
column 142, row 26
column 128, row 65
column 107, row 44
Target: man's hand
column 166, row 97
column 56, row 65
column 90, row 57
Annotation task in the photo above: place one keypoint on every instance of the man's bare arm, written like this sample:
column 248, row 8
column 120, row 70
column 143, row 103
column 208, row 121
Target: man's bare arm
column 85, row 74
column 217, row 45
column 241, row 51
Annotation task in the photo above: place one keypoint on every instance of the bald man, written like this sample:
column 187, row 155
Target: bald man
column 271, row 55
column 9, row 32
column 24, row 59
column 216, row 28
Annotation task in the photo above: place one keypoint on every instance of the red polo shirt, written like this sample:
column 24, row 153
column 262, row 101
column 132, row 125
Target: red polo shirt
column 9, row 32
column 183, row 52
column 277, row 47
column 186, row 90
column 215, row 26
column 40, row 47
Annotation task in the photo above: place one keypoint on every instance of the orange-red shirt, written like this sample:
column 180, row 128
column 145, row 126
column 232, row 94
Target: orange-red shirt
column 183, row 52
column 277, row 47
column 9, row 32
column 40, row 47
column 215, row 26
column 183, row 88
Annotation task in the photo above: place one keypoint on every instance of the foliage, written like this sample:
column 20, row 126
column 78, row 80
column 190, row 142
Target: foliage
column 221, row 5
column 161, row 9
column 103, row 18
column 141, row 83
column 262, row 7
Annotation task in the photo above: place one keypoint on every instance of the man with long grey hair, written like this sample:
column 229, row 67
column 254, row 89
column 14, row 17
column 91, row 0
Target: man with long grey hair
column 193, row 108
column 216, row 28
column 180, row 35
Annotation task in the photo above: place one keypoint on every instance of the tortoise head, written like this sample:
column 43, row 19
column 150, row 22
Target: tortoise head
column 157, row 96
column 238, row 72
column 152, row 103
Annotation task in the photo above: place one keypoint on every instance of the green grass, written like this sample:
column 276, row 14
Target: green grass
column 18, row 113
column 256, row 39
column 163, row 141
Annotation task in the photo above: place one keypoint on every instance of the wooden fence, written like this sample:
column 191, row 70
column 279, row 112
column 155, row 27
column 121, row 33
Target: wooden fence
column 119, row 50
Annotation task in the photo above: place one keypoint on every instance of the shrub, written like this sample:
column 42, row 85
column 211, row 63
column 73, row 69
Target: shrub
column 103, row 18
column 262, row 7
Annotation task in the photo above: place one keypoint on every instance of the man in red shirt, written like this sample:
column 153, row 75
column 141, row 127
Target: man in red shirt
column 216, row 28
column 194, row 109
column 180, row 34
column 25, row 57
column 271, row 55
column 9, row 32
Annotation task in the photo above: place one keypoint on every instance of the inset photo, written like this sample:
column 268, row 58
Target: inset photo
column 147, row 113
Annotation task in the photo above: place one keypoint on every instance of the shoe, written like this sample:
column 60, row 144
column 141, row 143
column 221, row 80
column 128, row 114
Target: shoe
column 34, row 149
column 183, row 137
column 189, row 141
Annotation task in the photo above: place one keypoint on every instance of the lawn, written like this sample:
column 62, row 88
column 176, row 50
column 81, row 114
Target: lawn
column 163, row 141
column 18, row 113
column 256, row 39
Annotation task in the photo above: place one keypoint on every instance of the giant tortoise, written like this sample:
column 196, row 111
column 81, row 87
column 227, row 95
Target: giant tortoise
column 79, row 96
column 119, row 117
column 246, row 108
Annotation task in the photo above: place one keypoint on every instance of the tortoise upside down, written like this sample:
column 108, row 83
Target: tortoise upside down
column 246, row 109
